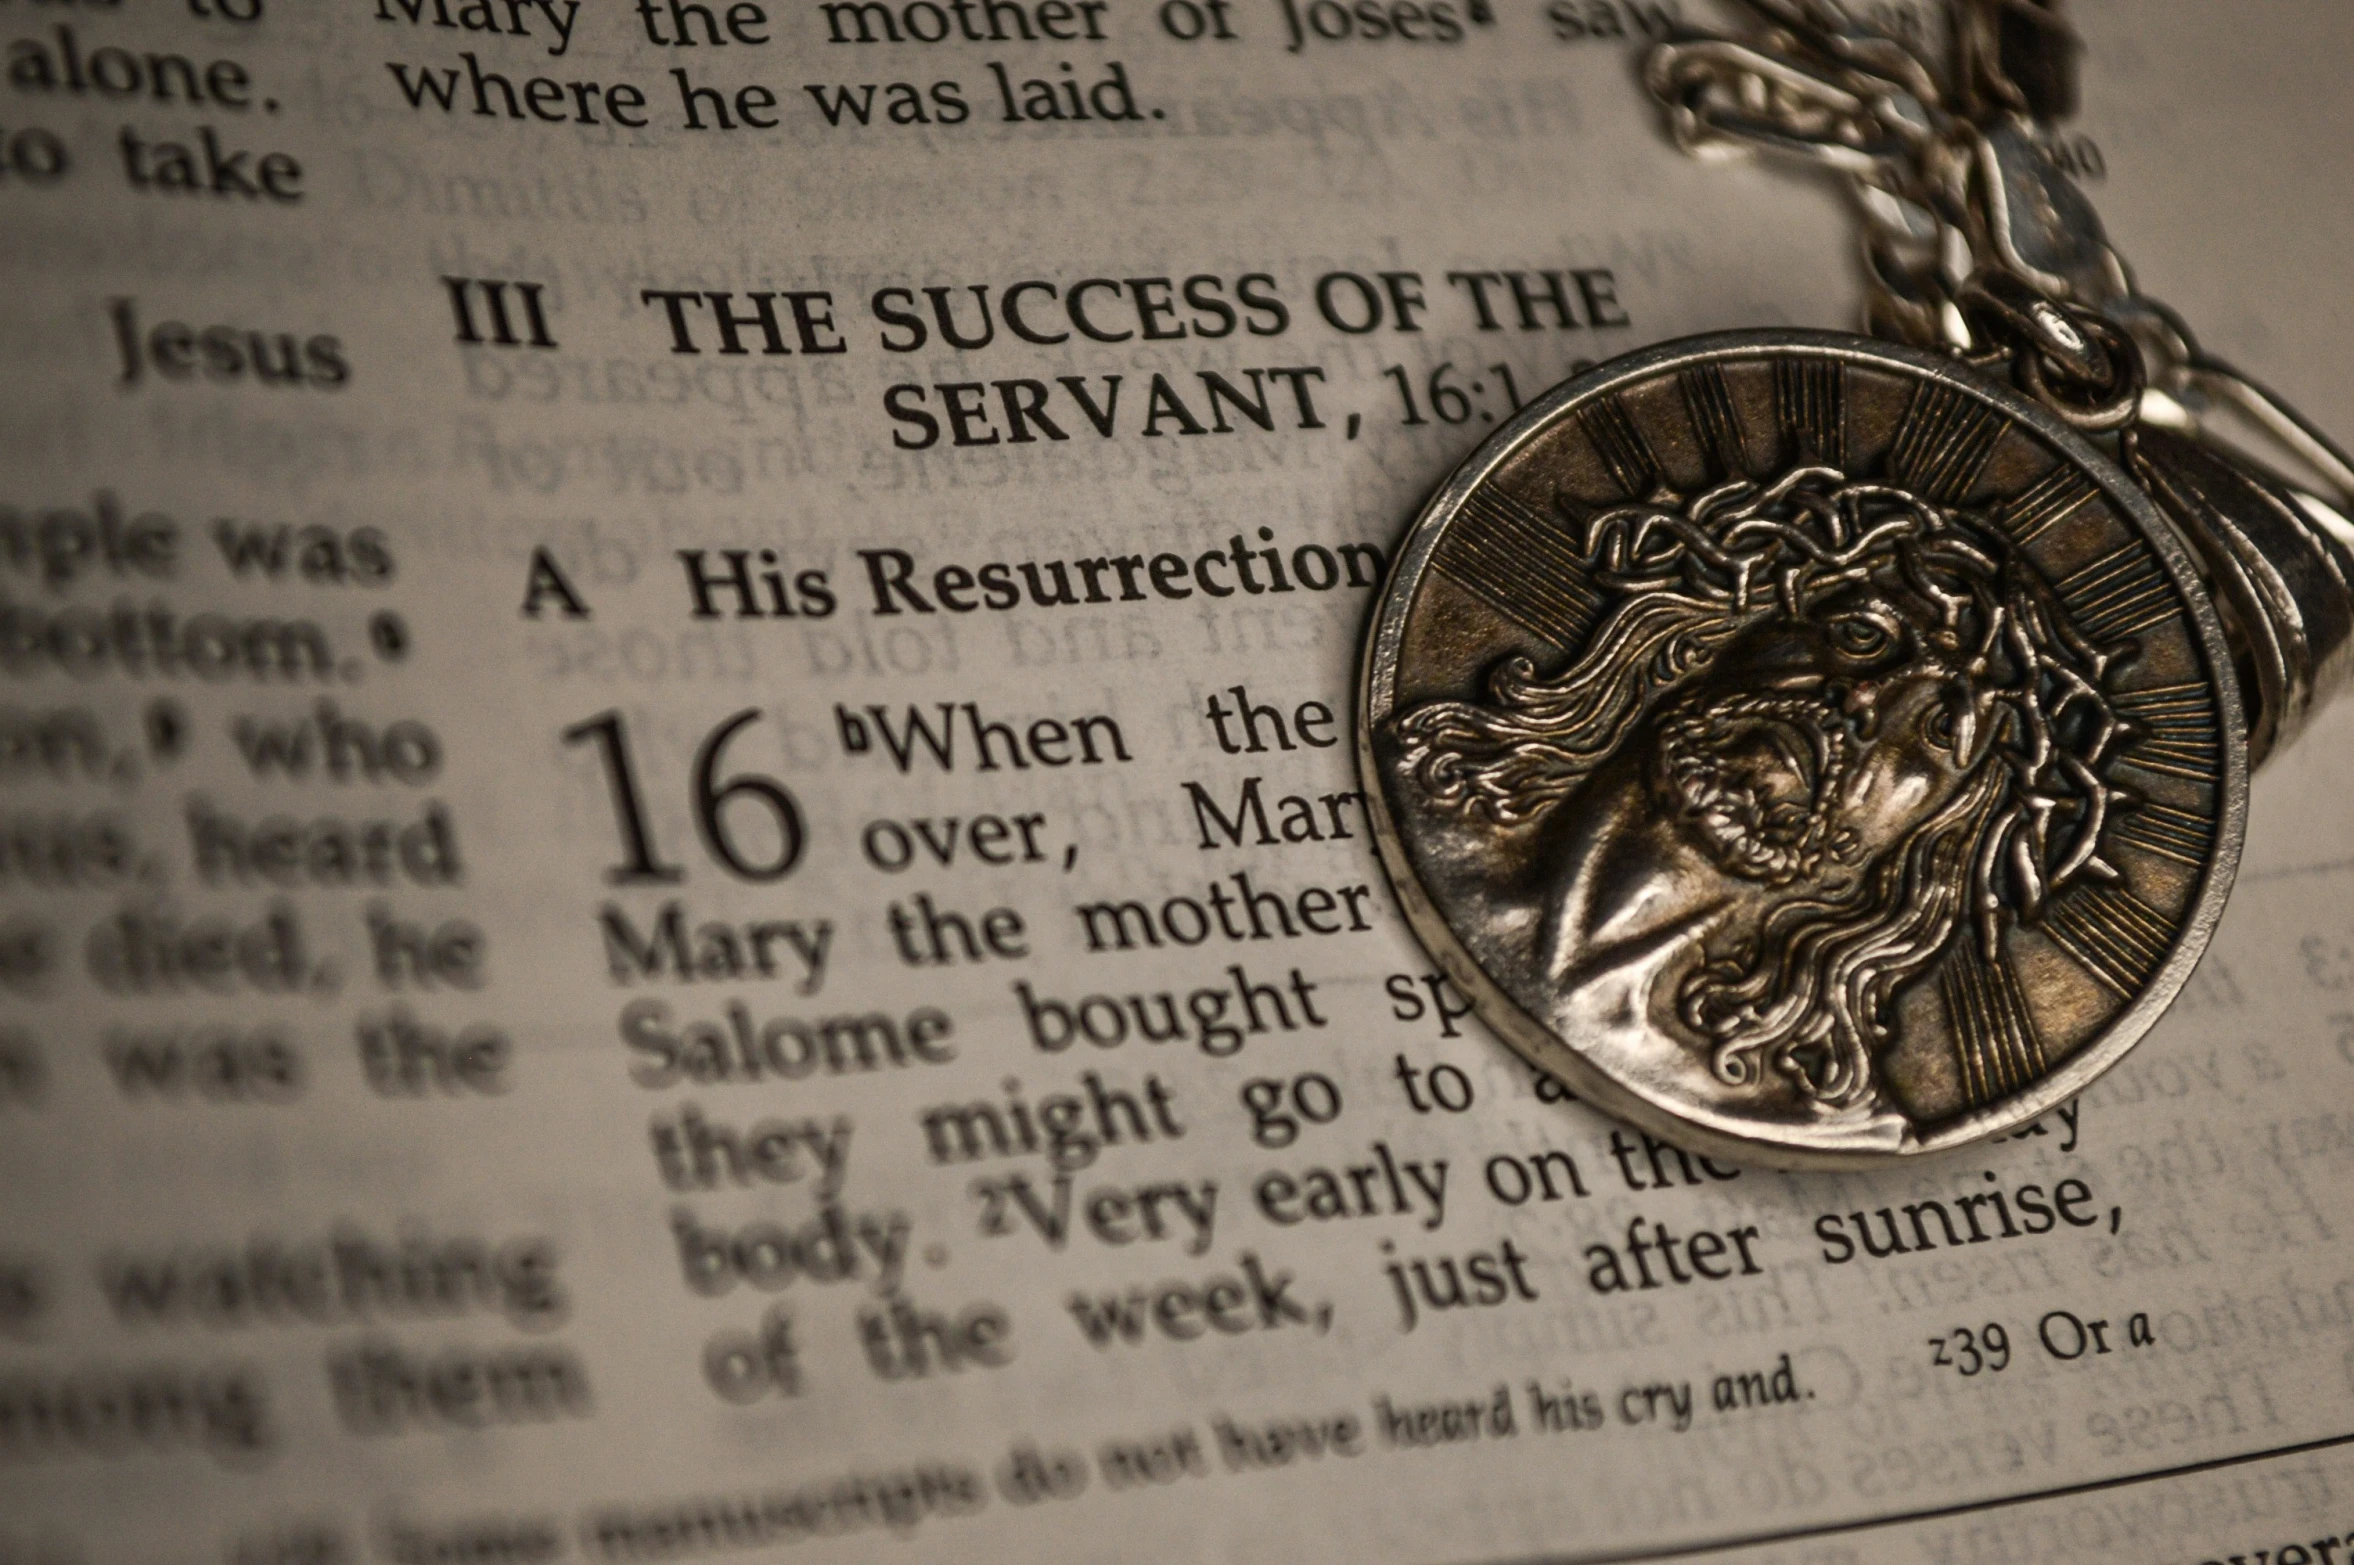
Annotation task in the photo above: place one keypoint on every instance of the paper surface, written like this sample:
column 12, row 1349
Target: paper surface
column 560, row 997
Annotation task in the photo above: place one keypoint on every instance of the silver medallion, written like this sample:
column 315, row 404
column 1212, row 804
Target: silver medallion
column 1804, row 746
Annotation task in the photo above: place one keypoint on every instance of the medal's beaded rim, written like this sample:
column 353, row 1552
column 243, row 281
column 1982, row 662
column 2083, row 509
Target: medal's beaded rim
column 1786, row 1146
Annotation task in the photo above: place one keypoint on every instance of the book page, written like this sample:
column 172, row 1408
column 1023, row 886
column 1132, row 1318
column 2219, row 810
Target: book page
column 681, row 876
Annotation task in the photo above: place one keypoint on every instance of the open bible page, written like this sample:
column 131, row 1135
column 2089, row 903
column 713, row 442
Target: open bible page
column 681, row 874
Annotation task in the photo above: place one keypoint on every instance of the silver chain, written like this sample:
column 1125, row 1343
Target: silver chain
column 1949, row 168
column 1977, row 241
column 1969, row 222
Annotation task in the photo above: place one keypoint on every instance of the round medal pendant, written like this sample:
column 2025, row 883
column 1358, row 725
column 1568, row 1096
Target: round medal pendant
column 1805, row 748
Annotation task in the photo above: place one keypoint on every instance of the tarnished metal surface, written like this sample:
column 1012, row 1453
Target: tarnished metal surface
column 1806, row 747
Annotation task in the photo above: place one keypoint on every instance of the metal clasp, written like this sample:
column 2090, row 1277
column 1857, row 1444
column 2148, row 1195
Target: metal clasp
column 2035, row 223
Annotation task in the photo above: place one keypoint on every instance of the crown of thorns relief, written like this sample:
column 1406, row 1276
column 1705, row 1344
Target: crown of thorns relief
column 2028, row 691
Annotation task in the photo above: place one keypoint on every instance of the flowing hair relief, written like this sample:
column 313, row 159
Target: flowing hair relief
column 1535, row 739
column 1809, row 999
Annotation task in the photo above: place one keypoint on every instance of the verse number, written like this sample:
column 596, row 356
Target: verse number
column 1451, row 403
column 722, row 808
column 1984, row 1351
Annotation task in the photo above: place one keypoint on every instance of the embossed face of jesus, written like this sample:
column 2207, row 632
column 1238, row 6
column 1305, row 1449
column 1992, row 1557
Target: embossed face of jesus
column 1825, row 724
column 1813, row 743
